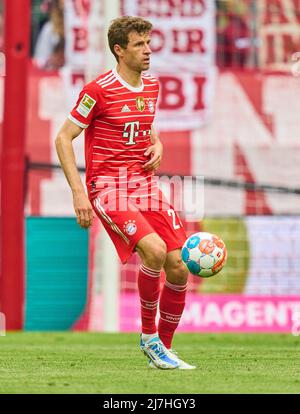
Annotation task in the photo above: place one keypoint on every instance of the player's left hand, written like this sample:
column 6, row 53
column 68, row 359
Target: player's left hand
column 156, row 152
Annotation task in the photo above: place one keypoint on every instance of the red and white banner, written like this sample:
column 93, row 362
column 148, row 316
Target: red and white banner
column 279, row 33
column 183, row 45
column 84, row 49
column 76, row 32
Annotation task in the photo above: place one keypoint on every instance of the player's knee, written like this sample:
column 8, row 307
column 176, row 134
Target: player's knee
column 179, row 273
column 155, row 256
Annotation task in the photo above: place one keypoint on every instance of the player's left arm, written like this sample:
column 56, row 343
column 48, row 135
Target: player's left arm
column 156, row 152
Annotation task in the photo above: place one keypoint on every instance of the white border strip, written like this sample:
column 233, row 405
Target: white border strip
column 78, row 123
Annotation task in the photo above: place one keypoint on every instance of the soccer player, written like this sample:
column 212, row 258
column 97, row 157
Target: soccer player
column 122, row 151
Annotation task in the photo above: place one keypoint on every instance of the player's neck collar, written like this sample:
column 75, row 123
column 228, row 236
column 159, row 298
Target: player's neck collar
column 127, row 85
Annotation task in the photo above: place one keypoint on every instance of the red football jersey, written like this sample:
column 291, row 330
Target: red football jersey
column 117, row 118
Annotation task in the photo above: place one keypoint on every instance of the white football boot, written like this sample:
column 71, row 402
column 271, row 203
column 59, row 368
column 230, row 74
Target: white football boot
column 158, row 354
column 181, row 364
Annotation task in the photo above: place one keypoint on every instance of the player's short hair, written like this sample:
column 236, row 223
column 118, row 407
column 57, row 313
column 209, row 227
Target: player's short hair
column 121, row 27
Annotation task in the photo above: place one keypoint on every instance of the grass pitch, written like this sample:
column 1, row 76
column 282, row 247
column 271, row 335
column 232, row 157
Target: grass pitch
column 112, row 363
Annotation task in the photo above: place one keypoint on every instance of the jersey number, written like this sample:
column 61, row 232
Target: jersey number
column 171, row 213
column 131, row 131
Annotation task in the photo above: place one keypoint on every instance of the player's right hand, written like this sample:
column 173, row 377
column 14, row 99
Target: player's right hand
column 83, row 210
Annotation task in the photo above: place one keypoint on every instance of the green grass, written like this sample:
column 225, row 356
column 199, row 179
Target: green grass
column 112, row 363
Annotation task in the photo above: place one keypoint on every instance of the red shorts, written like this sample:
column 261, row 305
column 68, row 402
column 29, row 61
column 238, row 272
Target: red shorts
column 127, row 228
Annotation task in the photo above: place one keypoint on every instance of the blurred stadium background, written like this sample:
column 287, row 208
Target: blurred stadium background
column 228, row 111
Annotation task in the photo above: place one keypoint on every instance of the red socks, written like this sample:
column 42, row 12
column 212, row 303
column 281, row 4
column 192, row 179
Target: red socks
column 171, row 306
column 149, row 287
column 172, row 301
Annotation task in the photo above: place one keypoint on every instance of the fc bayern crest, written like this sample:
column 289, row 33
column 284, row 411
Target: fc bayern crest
column 130, row 227
column 151, row 105
column 140, row 103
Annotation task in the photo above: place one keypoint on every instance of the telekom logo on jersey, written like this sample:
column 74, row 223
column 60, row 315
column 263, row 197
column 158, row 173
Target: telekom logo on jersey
column 131, row 131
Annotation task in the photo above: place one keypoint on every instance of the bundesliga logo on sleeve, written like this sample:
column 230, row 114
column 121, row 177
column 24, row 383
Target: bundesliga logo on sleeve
column 86, row 105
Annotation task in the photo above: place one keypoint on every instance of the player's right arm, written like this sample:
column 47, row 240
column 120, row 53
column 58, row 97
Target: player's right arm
column 66, row 155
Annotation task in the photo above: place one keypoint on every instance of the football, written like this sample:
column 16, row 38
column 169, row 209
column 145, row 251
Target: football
column 204, row 254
